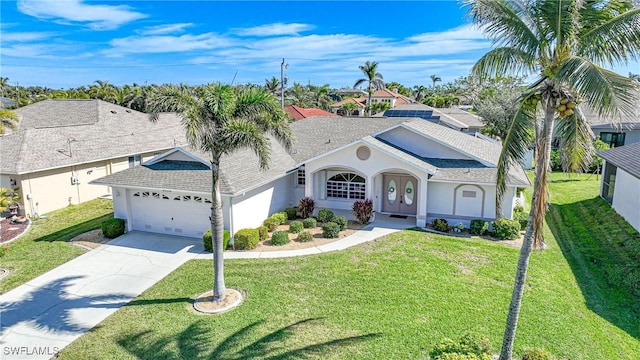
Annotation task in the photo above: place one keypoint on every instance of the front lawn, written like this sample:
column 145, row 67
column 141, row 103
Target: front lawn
column 389, row 299
column 46, row 244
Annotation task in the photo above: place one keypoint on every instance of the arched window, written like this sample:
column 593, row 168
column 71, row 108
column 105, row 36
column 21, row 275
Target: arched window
column 346, row 186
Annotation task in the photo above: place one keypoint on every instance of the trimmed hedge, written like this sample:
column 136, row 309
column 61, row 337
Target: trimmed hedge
column 295, row 226
column 304, row 236
column 330, row 230
column 468, row 347
column 325, row 215
column 207, row 240
column 279, row 238
column 342, row 221
column 309, row 223
column 506, row 229
column 263, row 232
column 280, row 217
column 440, row 225
column 112, row 228
column 270, row 223
column 478, row 227
column 291, row 212
column 246, row 239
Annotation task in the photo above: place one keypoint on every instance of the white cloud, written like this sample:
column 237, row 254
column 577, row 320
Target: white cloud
column 25, row 36
column 275, row 29
column 98, row 17
column 165, row 44
column 164, row 29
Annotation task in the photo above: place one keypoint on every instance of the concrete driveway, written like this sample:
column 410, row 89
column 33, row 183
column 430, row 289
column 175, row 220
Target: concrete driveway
column 46, row 314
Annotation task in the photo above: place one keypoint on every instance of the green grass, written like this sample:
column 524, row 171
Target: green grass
column 46, row 244
column 389, row 299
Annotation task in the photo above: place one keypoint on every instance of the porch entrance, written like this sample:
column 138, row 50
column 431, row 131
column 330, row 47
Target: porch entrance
column 399, row 194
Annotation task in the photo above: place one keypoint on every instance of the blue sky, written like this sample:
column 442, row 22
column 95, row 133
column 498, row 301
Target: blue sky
column 69, row 43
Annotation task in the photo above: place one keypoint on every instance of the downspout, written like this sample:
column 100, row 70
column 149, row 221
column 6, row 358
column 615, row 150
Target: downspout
column 231, row 232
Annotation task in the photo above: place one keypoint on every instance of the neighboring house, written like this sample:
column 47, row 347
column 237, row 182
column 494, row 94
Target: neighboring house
column 615, row 133
column 454, row 118
column 61, row 145
column 358, row 107
column 406, row 166
column 620, row 184
column 6, row 103
column 379, row 96
column 297, row 113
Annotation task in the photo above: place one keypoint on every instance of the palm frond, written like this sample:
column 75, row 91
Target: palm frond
column 359, row 82
column 576, row 142
column 238, row 134
column 515, row 145
column 616, row 41
column 503, row 61
column 608, row 93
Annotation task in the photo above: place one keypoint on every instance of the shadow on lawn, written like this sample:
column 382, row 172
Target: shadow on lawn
column 72, row 231
column 195, row 342
column 603, row 254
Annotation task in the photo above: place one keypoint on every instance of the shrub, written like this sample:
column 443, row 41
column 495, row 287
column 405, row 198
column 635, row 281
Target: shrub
column 469, row 347
column 506, row 229
column 536, row 354
column 291, row 212
column 246, row 239
column 280, row 217
column 309, row 223
column 306, row 207
column 295, row 226
column 263, row 232
column 325, row 215
column 330, row 230
column 363, row 211
column 271, row 224
column 304, row 236
column 518, row 209
column 279, row 238
column 555, row 160
column 522, row 218
column 440, row 225
column 207, row 240
column 112, row 228
column 478, row 227
column 342, row 221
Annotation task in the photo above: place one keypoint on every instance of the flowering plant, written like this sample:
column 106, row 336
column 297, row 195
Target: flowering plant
column 458, row 227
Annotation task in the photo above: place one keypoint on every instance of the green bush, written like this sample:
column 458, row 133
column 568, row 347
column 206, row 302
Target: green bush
column 330, row 230
column 207, row 240
column 295, row 226
column 280, row 217
column 506, row 229
column 291, row 212
column 304, row 236
column 112, row 228
column 246, row 239
column 536, row 354
column 469, row 347
column 522, row 218
column 342, row 221
column 279, row 238
column 263, row 232
column 555, row 160
column 440, row 225
column 271, row 224
column 478, row 227
column 309, row 223
column 325, row 215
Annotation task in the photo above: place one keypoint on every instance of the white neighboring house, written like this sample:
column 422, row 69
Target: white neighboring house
column 406, row 166
column 61, row 145
column 620, row 184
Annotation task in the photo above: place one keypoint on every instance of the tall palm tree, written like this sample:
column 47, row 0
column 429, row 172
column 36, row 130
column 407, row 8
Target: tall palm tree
column 419, row 92
column 8, row 119
column 272, row 85
column 373, row 79
column 565, row 42
column 219, row 119
column 434, row 79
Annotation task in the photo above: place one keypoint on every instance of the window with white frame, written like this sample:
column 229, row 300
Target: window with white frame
column 346, row 186
column 135, row 160
column 300, row 177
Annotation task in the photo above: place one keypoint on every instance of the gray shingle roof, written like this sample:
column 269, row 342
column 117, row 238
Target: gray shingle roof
column 625, row 157
column 458, row 117
column 400, row 153
column 594, row 119
column 93, row 129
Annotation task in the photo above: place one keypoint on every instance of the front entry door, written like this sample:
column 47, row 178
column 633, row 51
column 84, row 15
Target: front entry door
column 400, row 194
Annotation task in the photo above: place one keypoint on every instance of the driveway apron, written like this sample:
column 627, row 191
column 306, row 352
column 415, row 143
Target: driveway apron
column 46, row 314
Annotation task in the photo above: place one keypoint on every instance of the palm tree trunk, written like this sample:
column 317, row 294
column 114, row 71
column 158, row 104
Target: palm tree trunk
column 533, row 230
column 217, row 232
column 369, row 101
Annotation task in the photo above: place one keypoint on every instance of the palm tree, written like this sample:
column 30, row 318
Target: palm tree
column 348, row 108
column 565, row 42
column 219, row 120
column 434, row 79
column 272, row 85
column 635, row 77
column 8, row 119
column 419, row 92
column 373, row 79
column 102, row 90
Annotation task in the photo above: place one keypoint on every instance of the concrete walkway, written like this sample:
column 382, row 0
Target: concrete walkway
column 47, row 313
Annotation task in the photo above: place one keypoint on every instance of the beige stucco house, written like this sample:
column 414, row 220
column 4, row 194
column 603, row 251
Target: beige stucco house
column 62, row 145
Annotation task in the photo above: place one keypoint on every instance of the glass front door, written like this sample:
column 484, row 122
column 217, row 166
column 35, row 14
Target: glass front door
column 400, row 194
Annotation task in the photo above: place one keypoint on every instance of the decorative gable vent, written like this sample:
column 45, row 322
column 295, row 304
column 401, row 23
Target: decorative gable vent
column 363, row 153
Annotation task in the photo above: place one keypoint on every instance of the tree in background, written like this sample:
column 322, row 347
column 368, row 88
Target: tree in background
column 434, row 79
column 495, row 102
column 373, row 79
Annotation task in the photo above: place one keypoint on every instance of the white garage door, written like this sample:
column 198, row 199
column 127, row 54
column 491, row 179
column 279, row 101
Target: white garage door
column 173, row 213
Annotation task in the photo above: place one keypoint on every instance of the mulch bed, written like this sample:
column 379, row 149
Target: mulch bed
column 9, row 231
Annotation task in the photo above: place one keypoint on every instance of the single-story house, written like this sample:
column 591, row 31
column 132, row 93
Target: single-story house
column 453, row 117
column 615, row 132
column 392, row 97
column 61, row 145
column 297, row 112
column 620, row 185
column 406, row 166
